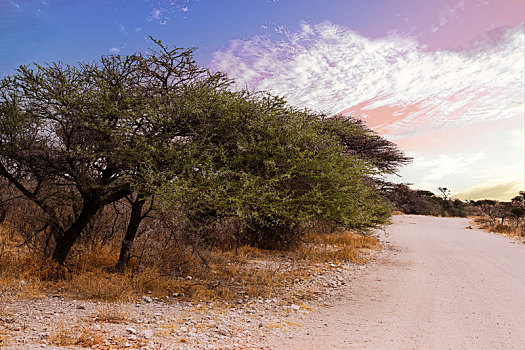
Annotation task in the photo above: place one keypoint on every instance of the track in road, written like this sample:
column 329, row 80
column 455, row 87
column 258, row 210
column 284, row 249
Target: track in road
column 439, row 286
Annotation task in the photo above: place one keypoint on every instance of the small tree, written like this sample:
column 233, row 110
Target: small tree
column 445, row 193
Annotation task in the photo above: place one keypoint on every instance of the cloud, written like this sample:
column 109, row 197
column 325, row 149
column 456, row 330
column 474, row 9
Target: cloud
column 441, row 166
column 114, row 50
column 122, row 29
column 445, row 105
column 162, row 8
column 331, row 68
column 500, row 191
column 445, row 14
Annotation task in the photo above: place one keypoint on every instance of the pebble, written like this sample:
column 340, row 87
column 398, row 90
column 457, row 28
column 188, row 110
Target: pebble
column 131, row 330
column 147, row 334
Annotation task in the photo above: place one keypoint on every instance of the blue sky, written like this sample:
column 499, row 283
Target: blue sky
column 442, row 78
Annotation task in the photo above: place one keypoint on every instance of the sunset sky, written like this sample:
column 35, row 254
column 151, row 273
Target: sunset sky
column 444, row 79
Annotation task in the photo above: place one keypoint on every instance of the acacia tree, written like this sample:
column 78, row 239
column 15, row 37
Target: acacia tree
column 73, row 138
column 255, row 159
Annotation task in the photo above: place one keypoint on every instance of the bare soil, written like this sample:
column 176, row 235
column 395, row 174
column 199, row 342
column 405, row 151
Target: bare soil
column 440, row 285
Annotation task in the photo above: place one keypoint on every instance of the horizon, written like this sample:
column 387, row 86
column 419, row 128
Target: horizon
column 444, row 80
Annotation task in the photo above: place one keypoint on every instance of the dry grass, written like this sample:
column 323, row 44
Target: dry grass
column 337, row 246
column 111, row 314
column 204, row 276
column 505, row 229
column 67, row 335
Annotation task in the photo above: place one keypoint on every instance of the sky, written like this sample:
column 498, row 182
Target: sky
column 443, row 79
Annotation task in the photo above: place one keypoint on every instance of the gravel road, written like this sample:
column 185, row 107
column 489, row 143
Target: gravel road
column 440, row 285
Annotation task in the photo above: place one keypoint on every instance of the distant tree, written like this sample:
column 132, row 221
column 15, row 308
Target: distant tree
column 517, row 208
column 409, row 201
column 445, row 192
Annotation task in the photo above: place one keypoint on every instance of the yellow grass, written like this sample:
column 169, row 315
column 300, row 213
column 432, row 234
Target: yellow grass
column 505, row 229
column 210, row 275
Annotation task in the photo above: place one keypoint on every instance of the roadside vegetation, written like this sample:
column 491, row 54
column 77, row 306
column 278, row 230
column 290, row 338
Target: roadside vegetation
column 148, row 174
column 506, row 218
column 405, row 200
column 494, row 216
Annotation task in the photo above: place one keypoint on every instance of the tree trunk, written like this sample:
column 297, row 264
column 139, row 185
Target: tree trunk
column 3, row 214
column 90, row 206
column 131, row 232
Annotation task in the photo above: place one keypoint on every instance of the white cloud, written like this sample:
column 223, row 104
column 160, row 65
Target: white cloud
column 122, row 29
column 441, row 166
column 446, row 14
column 162, row 8
column 331, row 68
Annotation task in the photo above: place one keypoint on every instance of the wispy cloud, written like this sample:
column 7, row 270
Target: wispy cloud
column 402, row 90
column 499, row 191
column 122, row 29
column 443, row 165
column 446, row 14
column 332, row 68
column 162, row 9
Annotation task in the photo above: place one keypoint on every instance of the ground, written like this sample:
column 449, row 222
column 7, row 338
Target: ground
column 437, row 284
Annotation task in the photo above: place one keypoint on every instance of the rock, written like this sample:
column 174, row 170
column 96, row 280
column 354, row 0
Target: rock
column 147, row 334
column 147, row 299
column 223, row 332
column 295, row 307
column 131, row 330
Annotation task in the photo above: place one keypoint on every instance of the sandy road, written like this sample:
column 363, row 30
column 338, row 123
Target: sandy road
column 440, row 286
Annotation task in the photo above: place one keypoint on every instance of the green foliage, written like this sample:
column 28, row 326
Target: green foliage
column 74, row 139
column 255, row 158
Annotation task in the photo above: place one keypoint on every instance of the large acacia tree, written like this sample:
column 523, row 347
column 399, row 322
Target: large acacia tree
column 74, row 139
column 273, row 169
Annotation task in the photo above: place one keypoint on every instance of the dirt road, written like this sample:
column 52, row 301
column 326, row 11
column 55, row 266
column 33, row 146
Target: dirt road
column 440, row 286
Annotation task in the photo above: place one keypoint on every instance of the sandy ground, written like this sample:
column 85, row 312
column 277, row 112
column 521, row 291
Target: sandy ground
column 439, row 286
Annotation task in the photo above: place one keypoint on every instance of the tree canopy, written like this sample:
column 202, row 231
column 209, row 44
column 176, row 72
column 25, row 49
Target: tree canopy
column 74, row 139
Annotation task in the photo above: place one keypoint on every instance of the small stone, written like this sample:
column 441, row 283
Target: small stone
column 147, row 334
column 295, row 307
column 131, row 330
column 222, row 331
column 147, row 299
